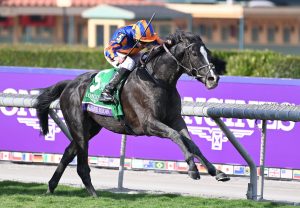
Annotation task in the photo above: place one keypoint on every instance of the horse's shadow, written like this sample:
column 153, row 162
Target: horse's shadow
column 138, row 192
column 11, row 188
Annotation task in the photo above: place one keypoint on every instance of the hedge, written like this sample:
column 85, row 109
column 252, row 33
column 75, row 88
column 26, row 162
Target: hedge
column 261, row 64
column 75, row 57
column 238, row 63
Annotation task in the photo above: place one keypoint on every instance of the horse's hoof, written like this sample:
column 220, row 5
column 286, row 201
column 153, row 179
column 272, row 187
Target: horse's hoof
column 92, row 192
column 94, row 195
column 49, row 191
column 194, row 174
column 222, row 177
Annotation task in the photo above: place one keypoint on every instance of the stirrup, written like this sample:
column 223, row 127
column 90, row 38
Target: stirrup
column 106, row 97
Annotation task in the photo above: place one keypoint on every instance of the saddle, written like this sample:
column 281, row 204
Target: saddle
column 91, row 101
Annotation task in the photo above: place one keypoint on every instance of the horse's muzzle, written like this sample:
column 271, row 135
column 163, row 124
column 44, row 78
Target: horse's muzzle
column 212, row 81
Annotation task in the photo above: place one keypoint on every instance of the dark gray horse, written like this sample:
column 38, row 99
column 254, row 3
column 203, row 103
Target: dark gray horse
column 151, row 104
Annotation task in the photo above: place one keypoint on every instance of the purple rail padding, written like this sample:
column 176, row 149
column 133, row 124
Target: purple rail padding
column 19, row 127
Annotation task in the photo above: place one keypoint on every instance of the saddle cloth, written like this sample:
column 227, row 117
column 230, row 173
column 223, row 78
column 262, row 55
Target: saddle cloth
column 91, row 101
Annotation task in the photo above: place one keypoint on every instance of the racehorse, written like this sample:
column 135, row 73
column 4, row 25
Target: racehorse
column 150, row 101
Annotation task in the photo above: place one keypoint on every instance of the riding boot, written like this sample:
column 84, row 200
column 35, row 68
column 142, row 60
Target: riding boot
column 106, row 95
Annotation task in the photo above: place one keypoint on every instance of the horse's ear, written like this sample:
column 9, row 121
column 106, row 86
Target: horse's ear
column 173, row 39
column 182, row 35
column 177, row 36
column 199, row 37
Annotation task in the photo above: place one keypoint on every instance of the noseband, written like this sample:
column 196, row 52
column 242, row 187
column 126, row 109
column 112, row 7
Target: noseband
column 194, row 72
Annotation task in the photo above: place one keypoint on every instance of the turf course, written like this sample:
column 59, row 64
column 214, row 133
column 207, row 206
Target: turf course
column 16, row 194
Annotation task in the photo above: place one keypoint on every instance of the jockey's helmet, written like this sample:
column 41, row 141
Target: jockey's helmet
column 140, row 34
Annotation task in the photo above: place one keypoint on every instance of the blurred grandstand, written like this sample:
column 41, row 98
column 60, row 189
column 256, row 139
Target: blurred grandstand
column 255, row 24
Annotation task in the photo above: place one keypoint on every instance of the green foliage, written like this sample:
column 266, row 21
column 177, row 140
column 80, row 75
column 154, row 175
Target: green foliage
column 260, row 64
column 75, row 57
column 280, row 66
column 238, row 63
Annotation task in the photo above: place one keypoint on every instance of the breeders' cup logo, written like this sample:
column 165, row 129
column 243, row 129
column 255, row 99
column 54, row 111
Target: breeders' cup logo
column 216, row 136
column 27, row 116
column 206, row 128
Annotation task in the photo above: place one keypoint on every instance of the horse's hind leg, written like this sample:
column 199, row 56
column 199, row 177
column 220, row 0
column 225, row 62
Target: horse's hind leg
column 83, row 168
column 68, row 156
column 82, row 129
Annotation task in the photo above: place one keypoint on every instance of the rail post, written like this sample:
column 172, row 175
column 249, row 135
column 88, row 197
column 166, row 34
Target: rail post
column 122, row 161
column 262, row 158
column 252, row 186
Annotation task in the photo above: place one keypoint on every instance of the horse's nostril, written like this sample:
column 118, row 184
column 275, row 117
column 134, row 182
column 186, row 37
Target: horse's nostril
column 211, row 79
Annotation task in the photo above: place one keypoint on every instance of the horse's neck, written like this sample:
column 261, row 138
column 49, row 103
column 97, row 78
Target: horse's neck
column 164, row 70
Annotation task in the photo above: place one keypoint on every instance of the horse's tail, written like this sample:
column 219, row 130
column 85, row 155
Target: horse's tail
column 47, row 96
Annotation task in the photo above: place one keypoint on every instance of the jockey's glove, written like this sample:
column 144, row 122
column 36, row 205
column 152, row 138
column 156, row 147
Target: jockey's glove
column 168, row 42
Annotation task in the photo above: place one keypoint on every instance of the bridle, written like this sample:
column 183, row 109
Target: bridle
column 192, row 71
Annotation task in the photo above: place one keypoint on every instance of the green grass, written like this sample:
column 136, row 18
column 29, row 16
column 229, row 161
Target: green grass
column 16, row 194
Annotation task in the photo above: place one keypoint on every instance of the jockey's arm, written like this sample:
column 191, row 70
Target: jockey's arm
column 160, row 41
column 157, row 45
column 111, row 51
column 114, row 46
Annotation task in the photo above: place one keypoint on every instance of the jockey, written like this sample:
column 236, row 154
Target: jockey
column 123, row 41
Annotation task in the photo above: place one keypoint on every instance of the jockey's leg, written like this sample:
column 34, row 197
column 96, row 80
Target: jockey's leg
column 106, row 95
column 124, row 70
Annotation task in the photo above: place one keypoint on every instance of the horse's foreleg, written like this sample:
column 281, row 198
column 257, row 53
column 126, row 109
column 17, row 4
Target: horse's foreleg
column 196, row 151
column 179, row 125
column 159, row 129
column 220, row 176
column 68, row 156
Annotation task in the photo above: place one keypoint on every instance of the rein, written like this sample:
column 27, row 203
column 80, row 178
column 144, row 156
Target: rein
column 194, row 72
column 144, row 66
column 192, row 69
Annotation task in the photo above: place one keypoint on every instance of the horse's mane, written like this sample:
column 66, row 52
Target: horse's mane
column 176, row 38
column 182, row 36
